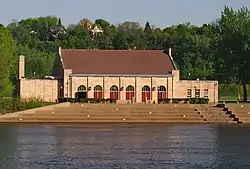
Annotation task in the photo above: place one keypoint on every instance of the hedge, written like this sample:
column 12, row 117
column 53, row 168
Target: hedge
column 89, row 100
column 164, row 101
column 9, row 105
column 185, row 100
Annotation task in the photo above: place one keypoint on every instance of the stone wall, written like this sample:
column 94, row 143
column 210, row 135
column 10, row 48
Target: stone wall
column 45, row 89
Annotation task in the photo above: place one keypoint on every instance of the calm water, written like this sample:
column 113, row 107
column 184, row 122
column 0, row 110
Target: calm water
column 180, row 146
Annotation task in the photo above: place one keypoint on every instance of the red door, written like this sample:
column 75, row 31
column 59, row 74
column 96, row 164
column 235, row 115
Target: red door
column 146, row 94
column 162, row 95
column 98, row 94
column 130, row 95
column 114, row 95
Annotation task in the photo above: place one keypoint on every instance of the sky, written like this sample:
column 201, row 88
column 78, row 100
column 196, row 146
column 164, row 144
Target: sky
column 160, row 13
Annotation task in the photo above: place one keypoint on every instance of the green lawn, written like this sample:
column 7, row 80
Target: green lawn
column 229, row 91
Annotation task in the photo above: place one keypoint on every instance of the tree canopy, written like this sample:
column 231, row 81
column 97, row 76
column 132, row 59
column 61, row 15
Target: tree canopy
column 219, row 50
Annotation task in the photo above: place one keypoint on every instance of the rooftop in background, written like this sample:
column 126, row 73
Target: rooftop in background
column 129, row 62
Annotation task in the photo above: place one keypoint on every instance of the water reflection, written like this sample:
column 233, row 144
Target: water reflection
column 124, row 146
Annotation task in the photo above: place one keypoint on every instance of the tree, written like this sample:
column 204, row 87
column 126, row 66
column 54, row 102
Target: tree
column 130, row 27
column 148, row 29
column 8, row 62
column 233, row 39
column 59, row 22
column 102, row 23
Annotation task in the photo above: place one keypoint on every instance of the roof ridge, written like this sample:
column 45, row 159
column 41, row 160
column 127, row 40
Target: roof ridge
column 114, row 50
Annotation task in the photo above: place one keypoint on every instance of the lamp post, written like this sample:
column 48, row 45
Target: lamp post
column 67, row 89
column 34, row 73
column 61, row 91
column 189, row 75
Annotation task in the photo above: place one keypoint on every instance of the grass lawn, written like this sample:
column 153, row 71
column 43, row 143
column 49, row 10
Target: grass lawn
column 229, row 91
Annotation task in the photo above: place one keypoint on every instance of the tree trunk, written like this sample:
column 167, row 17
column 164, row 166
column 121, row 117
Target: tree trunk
column 244, row 92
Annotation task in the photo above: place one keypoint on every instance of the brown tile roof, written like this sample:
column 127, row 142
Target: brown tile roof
column 129, row 62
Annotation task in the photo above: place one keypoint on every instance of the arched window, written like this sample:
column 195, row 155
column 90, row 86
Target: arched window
column 146, row 94
column 130, row 88
column 161, row 88
column 114, row 88
column 130, row 92
column 98, row 88
column 162, row 93
column 81, row 88
column 98, row 93
column 146, row 88
column 114, row 93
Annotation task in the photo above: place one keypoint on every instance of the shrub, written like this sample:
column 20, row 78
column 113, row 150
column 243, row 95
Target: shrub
column 9, row 105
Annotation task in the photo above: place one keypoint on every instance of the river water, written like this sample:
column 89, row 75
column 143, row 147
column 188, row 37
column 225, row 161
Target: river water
column 170, row 146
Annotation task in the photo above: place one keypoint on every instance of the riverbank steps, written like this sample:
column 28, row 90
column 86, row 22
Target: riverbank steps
column 122, row 113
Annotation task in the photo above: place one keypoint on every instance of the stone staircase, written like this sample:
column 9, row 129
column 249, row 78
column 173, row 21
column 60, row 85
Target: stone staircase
column 112, row 113
column 240, row 112
column 214, row 114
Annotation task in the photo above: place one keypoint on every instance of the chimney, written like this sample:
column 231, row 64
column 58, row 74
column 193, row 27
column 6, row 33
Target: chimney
column 170, row 55
column 170, row 52
column 21, row 67
column 60, row 51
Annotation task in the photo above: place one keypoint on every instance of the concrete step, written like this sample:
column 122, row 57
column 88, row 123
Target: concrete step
column 243, row 115
column 103, row 121
column 102, row 116
column 108, row 116
column 113, row 113
column 245, row 121
column 132, row 105
column 239, row 106
column 127, row 109
column 243, row 118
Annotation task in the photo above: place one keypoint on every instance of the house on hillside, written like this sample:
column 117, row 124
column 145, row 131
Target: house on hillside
column 124, row 75
column 92, row 28
column 56, row 32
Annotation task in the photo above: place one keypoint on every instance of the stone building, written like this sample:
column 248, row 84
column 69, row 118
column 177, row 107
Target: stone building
column 124, row 75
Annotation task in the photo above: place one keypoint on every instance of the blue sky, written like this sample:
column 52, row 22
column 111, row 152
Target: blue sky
column 160, row 13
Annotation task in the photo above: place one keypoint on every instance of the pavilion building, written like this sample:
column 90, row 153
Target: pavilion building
column 123, row 75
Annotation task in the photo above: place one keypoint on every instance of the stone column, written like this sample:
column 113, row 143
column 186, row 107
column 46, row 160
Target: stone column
column 137, row 90
column 123, row 87
column 21, row 67
column 154, row 89
column 90, row 88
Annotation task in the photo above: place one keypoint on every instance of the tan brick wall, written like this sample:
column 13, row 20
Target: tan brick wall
column 180, row 88
column 39, row 88
column 48, row 89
